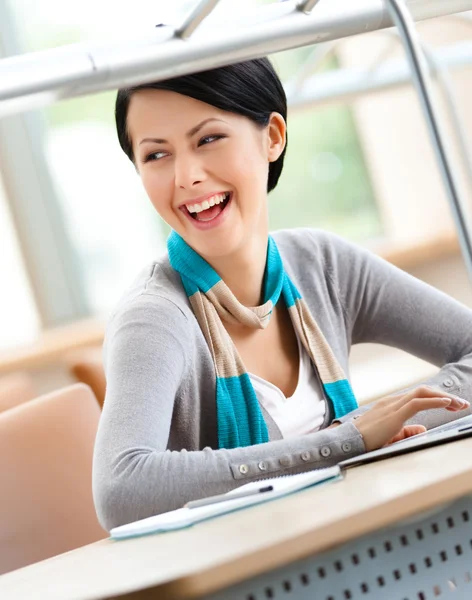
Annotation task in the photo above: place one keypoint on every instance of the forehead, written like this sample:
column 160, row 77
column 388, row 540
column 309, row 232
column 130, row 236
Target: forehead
column 166, row 114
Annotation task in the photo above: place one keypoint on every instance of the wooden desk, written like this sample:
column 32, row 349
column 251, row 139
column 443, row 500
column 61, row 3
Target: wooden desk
column 214, row 555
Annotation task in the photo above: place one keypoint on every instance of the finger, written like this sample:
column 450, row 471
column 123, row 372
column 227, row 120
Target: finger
column 463, row 404
column 406, row 432
column 419, row 392
column 416, row 405
column 457, row 403
column 425, row 391
column 411, row 430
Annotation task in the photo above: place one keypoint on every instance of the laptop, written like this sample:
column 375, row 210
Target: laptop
column 449, row 432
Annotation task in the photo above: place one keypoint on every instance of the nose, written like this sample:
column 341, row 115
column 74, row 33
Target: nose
column 189, row 171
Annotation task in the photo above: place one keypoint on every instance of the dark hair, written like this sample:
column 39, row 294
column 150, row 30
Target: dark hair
column 252, row 89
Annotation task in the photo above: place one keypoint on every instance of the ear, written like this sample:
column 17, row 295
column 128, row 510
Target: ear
column 277, row 135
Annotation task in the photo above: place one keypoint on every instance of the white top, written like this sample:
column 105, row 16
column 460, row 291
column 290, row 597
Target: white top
column 304, row 411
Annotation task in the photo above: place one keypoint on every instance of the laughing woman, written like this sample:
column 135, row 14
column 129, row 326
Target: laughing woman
column 227, row 360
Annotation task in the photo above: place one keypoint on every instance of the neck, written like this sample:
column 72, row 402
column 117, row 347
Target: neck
column 243, row 271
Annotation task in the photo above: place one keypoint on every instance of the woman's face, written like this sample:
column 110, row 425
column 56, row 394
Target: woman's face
column 204, row 169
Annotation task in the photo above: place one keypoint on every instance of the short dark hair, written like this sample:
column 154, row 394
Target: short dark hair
column 251, row 88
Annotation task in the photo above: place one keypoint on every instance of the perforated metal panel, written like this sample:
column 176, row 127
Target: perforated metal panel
column 427, row 558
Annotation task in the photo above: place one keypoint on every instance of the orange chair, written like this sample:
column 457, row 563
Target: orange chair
column 15, row 389
column 86, row 365
column 46, row 505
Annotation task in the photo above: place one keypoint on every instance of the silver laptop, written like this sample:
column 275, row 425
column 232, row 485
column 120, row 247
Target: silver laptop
column 449, row 432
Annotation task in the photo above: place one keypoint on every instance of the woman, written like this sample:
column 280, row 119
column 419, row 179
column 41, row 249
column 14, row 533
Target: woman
column 204, row 393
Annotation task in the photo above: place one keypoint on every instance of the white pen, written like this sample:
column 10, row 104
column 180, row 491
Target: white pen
column 225, row 497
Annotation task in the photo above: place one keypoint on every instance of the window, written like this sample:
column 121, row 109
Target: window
column 19, row 321
column 114, row 229
column 325, row 182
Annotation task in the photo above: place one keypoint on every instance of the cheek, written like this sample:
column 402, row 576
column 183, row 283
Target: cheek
column 240, row 162
column 253, row 158
column 252, row 170
column 158, row 188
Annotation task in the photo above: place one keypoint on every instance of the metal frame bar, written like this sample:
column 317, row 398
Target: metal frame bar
column 464, row 18
column 307, row 6
column 347, row 84
column 44, row 77
column 441, row 73
column 422, row 80
column 438, row 69
column 200, row 12
column 86, row 68
column 447, row 89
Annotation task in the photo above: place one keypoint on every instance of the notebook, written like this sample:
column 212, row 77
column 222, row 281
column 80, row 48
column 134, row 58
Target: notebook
column 449, row 432
column 185, row 517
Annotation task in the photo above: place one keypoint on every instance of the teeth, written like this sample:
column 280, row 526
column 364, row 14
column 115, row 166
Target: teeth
column 205, row 205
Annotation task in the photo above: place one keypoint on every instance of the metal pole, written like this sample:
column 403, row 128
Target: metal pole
column 202, row 10
column 326, row 88
column 85, row 68
column 422, row 80
column 344, row 85
column 307, row 6
column 447, row 89
column 441, row 73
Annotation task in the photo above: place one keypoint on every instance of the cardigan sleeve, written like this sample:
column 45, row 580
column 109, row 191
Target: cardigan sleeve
column 135, row 475
column 385, row 305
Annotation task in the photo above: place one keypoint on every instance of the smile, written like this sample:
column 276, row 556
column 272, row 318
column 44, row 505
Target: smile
column 210, row 212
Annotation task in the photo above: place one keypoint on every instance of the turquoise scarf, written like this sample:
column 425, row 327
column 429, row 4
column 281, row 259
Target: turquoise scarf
column 239, row 417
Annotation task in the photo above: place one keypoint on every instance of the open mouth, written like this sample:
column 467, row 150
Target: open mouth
column 212, row 212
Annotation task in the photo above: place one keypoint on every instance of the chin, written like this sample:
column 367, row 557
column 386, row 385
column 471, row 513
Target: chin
column 216, row 245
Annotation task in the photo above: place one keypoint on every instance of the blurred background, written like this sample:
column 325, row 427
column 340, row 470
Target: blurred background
column 76, row 226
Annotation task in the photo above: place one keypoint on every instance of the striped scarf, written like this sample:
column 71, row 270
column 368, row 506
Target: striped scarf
column 239, row 417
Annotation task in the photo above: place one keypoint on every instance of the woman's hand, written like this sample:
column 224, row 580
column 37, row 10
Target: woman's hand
column 384, row 424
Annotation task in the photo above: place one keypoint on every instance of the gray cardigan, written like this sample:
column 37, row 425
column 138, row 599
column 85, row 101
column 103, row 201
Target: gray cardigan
column 156, row 445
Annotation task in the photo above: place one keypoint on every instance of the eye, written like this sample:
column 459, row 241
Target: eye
column 154, row 156
column 210, row 138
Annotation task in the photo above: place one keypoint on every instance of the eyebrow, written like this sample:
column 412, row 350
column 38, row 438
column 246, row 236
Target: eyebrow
column 189, row 134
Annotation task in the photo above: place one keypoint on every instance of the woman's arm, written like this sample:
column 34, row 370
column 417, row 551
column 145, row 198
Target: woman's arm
column 134, row 475
column 385, row 305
